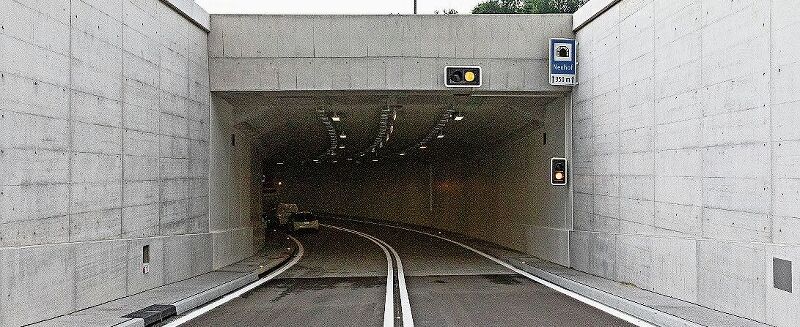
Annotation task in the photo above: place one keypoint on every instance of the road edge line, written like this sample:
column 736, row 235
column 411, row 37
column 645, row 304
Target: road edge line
column 197, row 312
column 591, row 302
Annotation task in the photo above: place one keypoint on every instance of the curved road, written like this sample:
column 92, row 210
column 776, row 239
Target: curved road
column 342, row 281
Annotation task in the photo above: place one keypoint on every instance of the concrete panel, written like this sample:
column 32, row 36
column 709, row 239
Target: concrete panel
column 730, row 277
column 23, row 131
column 34, row 167
column 549, row 244
column 675, row 268
column 31, row 276
column 91, row 109
column 90, row 138
column 227, row 246
column 786, row 230
column 736, row 226
column 140, row 221
column 100, row 272
column 678, row 219
column 138, row 281
column 634, row 260
column 23, row 95
column 96, row 225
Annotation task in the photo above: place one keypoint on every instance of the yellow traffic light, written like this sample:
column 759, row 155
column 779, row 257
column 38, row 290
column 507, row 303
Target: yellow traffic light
column 469, row 76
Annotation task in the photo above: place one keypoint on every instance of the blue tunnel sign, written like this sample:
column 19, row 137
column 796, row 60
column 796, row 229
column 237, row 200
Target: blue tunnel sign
column 562, row 62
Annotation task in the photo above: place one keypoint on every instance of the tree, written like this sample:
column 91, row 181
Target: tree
column 528, row 6
column 499, row 7
column 552, row 6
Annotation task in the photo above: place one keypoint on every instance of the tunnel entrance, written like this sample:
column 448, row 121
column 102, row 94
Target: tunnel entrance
column 473, row 163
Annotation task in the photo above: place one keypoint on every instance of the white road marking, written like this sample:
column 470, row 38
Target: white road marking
column 388, row 308
column 227, row 298
column 614, row 312
column 405, row 303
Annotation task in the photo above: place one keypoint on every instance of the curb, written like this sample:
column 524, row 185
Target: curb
column 192, row 302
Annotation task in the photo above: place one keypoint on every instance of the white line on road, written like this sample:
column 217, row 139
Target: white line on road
column 388, row 308
column 227, row 298
column 614, row 312
column 405, row 303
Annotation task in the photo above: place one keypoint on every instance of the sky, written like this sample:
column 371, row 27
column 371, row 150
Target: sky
column 334, row 7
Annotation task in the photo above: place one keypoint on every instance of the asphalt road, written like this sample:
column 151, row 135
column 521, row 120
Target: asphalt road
column 341, row 281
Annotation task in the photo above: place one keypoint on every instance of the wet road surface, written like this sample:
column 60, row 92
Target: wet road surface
column 341, row 281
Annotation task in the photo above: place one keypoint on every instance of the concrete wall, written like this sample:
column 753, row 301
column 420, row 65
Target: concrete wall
column 231, row 179
column 103, row 149
column 277, row 53
column 503, row 197
column 685, row 151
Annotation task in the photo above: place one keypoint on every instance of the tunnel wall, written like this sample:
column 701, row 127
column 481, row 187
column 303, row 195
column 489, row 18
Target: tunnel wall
column 503, row 197
column 389, row 52
column 103, row 149
column 686, row 151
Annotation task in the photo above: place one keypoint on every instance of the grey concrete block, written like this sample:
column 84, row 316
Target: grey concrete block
column 679, row 190
column 23, row 131
column 96, row 225
column 173, row 147
column 690, row 129
column 174, row 168
column 634, row 260
column 88, row 197
column 30, row 202
column 140, row 221
column 45, row 230
column 139, row 70
column 141, row 168
column 678, row 107
column 749, row 126
column 31, row 276
column 174, row 217
column 785, row 194
column 174, row 190
column 785, row 230
column 674, row 269
column 140, row 193
column 721, row 224
column 174, row 126
column 24, row 95
column 145, row 119
column 738, row 161
column 90, row 138
column 730, row 276
column 96, row 66
column 141, row 144
column 23, row 166
column 91, row 167
column 97, row 19
column 750, row 195
column 33, row 62
column 100, row 272
column 91, row 109
column 678, row 220
column 637, row 187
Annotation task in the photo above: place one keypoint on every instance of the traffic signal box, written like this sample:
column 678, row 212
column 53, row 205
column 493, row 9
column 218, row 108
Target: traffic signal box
column 462, row 76
column 558, row 171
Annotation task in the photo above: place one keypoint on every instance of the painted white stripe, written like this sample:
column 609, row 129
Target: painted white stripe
column 593, row 303
column 227, row 298
column 388, row 308
column 405, row 303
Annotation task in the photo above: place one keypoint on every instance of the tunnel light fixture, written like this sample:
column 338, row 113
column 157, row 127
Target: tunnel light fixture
column 280, row 183
column 457, row 116
column 280, row 163
column 423, row 146
column 315, row 160
column 349, row 159
column 335, row 161
column 374, row 160
column 341, row 146
column 440, row 136
column 343, row 136
column 402, row 153
column 336, row 117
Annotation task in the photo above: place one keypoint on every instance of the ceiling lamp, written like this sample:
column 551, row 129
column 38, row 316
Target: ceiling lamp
column 343, row 136
column 440, row 136
column 336, row 117
column 457, row 116
column 423, row 146
column 280, row 163
column 341, row 146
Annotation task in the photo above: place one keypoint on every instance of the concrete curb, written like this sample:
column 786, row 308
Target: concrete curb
column 199, row 299
column 643, row 312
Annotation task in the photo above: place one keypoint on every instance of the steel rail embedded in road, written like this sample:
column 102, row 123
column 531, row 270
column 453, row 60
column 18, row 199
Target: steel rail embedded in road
column 405, row 303
column 227, row 298
column 600, row 306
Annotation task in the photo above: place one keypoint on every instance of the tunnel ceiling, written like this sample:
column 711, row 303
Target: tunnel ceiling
column 298, row 127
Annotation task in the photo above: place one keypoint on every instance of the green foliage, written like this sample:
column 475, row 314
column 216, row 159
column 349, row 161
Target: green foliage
column 499, row 7
column 528, row 6
column 552, row 6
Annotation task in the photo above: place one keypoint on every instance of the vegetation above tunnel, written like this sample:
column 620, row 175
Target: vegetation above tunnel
column 528, row 6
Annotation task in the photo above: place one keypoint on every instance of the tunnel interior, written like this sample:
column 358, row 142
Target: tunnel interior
column 476, row 164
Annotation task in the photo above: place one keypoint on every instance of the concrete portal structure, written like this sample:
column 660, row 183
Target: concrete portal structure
column 148, row 125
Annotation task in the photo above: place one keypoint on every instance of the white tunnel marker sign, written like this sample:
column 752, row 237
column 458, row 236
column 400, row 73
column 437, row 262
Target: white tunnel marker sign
column 562, row 62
